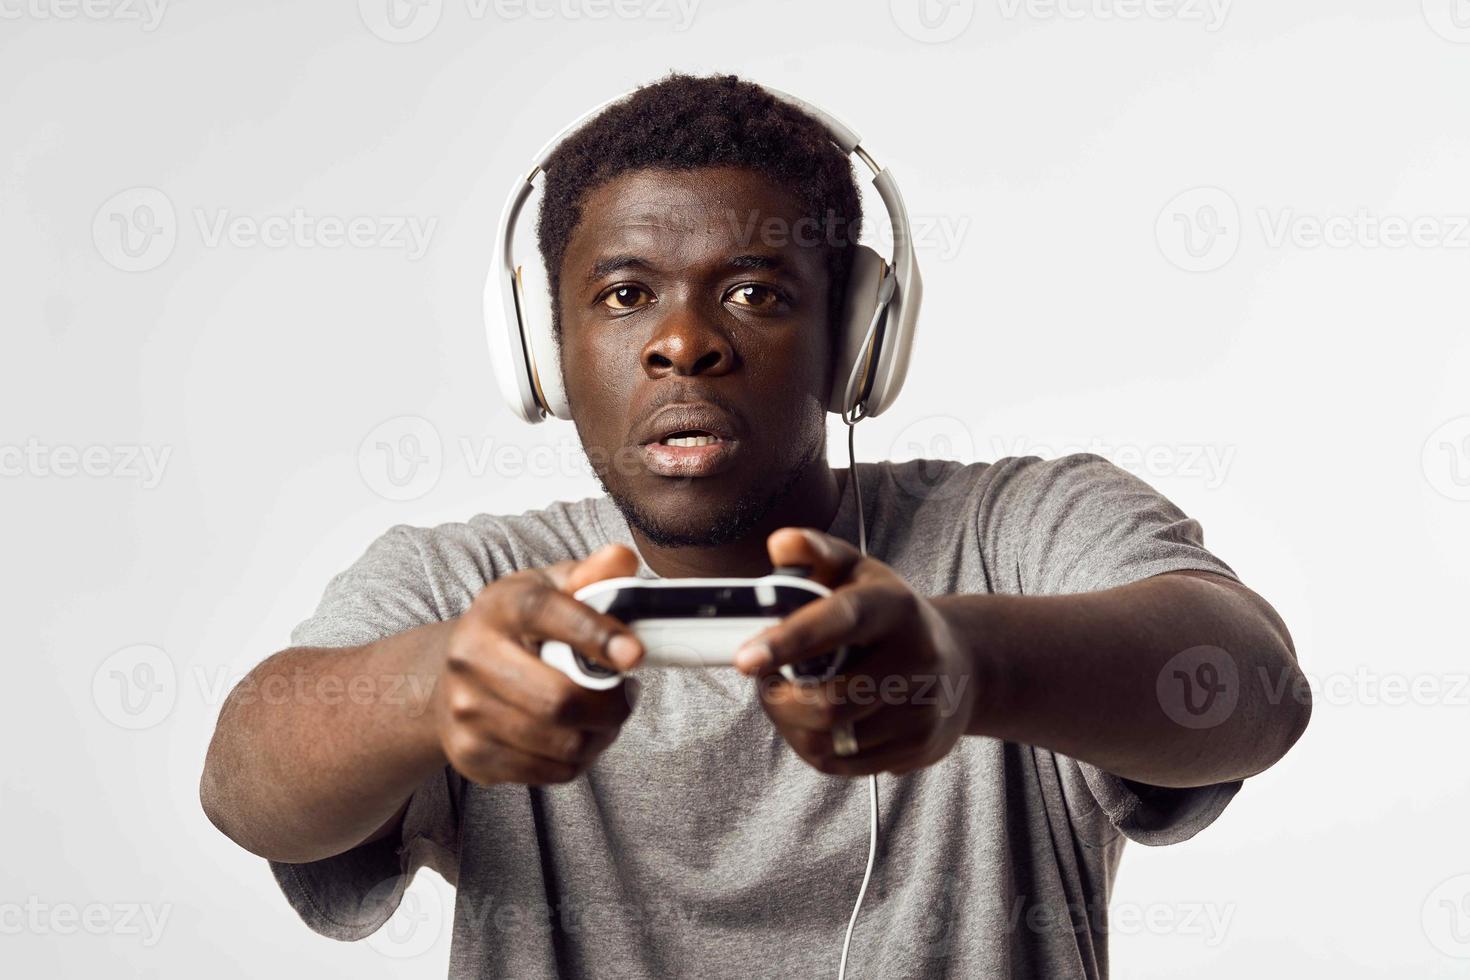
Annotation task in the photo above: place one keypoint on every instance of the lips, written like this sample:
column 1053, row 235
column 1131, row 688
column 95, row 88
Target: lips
column 689, row 420
column 689, row 440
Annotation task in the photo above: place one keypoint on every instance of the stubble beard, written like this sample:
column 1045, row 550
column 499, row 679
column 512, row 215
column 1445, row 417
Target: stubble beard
column 732, row 523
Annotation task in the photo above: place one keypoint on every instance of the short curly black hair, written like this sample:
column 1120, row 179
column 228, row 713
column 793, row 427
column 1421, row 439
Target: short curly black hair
column 685, row 122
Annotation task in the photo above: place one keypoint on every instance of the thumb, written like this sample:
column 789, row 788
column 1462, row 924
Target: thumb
column 830, row 559
column 609, row 561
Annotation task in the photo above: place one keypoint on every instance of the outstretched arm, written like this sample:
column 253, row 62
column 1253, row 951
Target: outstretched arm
column 1182, row 679
column 1178, row 680
column 319, row 750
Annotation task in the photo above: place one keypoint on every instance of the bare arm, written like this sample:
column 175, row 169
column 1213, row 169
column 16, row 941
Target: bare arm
column 1098, row 677
column 319, row 750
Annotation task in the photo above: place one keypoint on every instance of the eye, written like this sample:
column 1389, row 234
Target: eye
column 626, row 297
column 754, row 295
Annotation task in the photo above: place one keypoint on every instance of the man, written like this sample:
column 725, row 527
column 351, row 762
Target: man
column 1025, row 625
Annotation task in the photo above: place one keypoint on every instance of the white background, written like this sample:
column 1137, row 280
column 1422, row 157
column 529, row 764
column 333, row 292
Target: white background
column 1306, row 400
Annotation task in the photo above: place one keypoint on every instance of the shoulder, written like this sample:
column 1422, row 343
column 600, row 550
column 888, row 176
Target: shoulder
column 1005, row 482
column 1031, row 498
column 411, row 575
column 1010, row 501
column 488, row 545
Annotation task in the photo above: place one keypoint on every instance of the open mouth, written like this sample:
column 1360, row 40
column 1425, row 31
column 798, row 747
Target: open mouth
column 689, row 438
column 690, row 453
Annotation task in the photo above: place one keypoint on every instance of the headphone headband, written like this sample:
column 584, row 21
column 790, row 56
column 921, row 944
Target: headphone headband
column 880, row 310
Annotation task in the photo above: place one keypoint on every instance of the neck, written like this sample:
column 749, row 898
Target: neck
column 812, row 502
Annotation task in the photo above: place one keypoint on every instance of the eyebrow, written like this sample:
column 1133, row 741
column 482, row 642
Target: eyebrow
column 614, row 263
column 756, row 262
column 604, row 267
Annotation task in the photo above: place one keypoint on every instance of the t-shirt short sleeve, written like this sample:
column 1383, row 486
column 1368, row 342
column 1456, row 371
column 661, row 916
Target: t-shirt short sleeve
column 1082, row 524
column 386, row 591
column 348, row 896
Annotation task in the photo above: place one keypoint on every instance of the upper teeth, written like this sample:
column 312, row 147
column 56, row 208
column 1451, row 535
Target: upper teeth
column 691, row 441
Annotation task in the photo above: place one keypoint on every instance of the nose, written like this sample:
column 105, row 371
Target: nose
column 685, row 344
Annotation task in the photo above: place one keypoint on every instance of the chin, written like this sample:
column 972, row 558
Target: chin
column 685, row 515
column 707, row 511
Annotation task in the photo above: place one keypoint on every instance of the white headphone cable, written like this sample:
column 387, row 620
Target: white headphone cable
column 852, row 419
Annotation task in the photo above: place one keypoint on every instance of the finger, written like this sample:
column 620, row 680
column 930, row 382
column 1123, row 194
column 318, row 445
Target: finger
column 488, row 763
column 875, row 734
column 499, row 721
column 898, row 756
column 528, row 608
column 609, row 561
column 830, row 559
column 906, row 752
column 819, row 707
column 856, row 614
column 497, row 666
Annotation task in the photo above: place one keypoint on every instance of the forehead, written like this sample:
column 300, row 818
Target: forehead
column 692, row 214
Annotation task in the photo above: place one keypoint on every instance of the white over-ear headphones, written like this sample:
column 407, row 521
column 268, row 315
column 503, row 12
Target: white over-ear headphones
column 879, row 313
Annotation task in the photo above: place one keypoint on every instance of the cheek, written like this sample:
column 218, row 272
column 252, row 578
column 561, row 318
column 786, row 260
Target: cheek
column 598, row 371
column 801, row 364
column 796, row 352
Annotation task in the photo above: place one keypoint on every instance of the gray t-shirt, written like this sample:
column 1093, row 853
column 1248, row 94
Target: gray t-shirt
column 700, row 845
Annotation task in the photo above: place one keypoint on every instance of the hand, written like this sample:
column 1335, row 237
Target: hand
column 908, row 688
column 502, row 715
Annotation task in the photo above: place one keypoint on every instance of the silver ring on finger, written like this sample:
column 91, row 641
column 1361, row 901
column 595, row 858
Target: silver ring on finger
column 844, row 742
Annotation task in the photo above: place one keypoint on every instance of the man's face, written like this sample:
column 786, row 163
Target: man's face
column 693, row 307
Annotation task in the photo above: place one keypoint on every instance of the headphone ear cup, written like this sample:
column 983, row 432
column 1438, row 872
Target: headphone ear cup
column 544, row 351
column 857, row 314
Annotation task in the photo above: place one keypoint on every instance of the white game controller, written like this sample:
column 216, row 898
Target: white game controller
column 695, row 622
